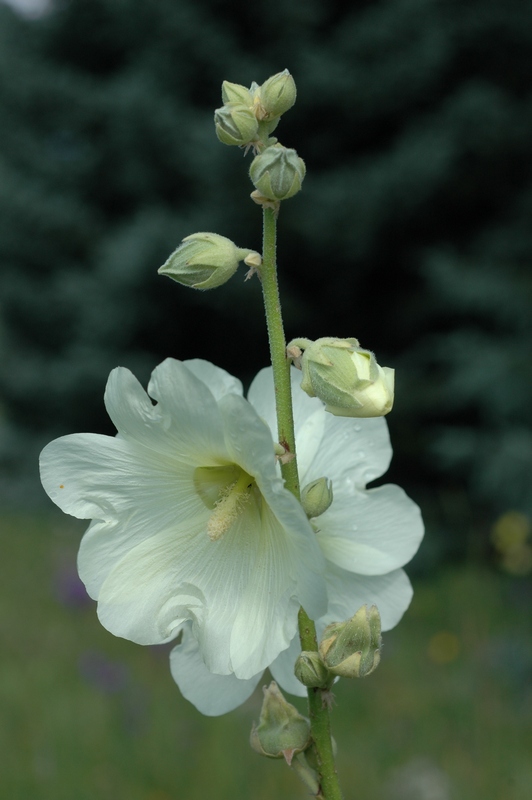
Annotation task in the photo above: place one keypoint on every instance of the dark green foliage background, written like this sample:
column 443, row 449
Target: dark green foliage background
column 412, row 233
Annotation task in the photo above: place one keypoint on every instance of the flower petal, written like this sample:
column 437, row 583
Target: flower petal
column 211, row 694
column 372, row 532
column 391, row 594
column 184, row 424
column 282, row 669
column 302, row 553
column 218, row 380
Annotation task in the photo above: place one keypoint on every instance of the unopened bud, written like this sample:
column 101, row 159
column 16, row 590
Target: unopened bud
column 236, row 124
column 345, row 377
column 351, row 649
column 277, row 95
column 316, row 497
column 236, row 93
column 311, row 670
column 282, row 731
column 277, row 172
column 204, row 261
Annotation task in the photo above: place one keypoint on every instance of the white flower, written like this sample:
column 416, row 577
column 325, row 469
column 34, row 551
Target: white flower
column 366, row 537
column 191, row 524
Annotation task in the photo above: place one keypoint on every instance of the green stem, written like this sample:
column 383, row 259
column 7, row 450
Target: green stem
column 318, row 708
column 280, row 363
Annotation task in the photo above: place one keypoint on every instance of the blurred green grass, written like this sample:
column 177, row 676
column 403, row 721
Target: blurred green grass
column 85, row 715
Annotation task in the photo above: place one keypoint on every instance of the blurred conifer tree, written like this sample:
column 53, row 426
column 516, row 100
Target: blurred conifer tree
column 412, row 233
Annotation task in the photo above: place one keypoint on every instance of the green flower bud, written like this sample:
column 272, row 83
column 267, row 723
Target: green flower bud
column 277, row 172
column 351, row 649
column 346, row 377
column 311, row 670
column 236, row 93
column 235, row 124
column 316, row 497
column 277, row 95
column 204, row 261
column 282, row 731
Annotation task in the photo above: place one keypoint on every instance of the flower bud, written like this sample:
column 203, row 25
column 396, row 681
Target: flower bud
column 235, row 124
column 204, row 261
column 282, row 731
column 277, row 95
column 277, row 172
column 236, row 93
column 351, row 649
column 316, row 497
column 311, row 670
column 346, row 377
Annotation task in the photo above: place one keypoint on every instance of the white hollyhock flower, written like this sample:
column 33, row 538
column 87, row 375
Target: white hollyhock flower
column 191, row 526
column 365, row 535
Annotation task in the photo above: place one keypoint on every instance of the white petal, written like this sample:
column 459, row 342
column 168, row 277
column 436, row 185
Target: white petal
column 131, row 493
column 282, row 669
column 211, row 694
column 151, row 591
column 184, row 424
column 216, row 379
column 327, row 446
column 249, row 442
column 359, row 449
column 391, row 594
column 370, row 533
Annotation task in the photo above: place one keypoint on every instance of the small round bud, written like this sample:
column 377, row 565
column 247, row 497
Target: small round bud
column 204, row 261
column 282, row 731
column 311, row 670
column 345, row 377
column 316, row 497
column 236, row 93
column 277, row 172
column 351, row 649
column 277, row 95
column 235, row 124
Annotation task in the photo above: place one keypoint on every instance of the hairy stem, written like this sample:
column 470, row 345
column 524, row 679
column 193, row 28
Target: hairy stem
column 329, row 788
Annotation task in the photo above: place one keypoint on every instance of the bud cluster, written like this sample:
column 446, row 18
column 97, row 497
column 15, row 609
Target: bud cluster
column 248, row 116
column 247, row 119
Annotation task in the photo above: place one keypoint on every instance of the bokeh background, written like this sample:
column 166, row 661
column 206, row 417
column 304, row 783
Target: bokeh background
column 413, row 233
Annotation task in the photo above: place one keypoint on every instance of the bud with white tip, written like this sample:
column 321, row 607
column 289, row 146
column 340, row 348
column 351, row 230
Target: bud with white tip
column 351, row 649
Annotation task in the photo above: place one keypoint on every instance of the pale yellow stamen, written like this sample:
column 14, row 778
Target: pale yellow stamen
column 229, row 507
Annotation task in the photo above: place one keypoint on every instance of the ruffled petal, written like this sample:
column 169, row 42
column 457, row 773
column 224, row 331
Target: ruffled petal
column 391, row 594
column 153, row 589
column 370, row 533
column 183, row 425
column 211, row 694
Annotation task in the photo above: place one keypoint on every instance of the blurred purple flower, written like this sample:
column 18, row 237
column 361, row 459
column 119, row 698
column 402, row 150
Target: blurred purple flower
column 99, row 671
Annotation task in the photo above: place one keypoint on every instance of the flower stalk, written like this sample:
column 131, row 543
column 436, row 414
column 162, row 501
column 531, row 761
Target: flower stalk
column 329, row 788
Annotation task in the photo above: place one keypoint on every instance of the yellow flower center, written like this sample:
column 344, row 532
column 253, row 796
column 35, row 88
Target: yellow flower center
column 226, row 491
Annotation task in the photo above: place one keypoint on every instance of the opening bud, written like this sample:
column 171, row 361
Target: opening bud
column 311, row 670
column 204, row 261
column 277, row 172
column 236, row 124
column 277, row 95
column 351, row 649
column 316, row 497
column 282, row 731
column 345, row 377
